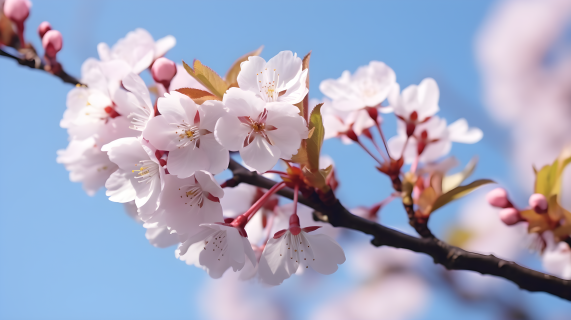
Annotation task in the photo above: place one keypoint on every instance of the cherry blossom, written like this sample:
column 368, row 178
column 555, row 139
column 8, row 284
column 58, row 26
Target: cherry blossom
column 135, row 104
column 337, row 122
column 216, row 247
column 368, row 87
column 92, row 111
column 137, row 49
column 185, row 129
column 87, row 164
column 186, row 203
column 281, row 79
column 416, row 104
column 431, row 139
column 262, row 132
column 158, row 236
column 139, row 176
column 292, row 247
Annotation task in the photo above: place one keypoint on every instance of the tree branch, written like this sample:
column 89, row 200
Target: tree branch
column 452, row 258
column 37, row 63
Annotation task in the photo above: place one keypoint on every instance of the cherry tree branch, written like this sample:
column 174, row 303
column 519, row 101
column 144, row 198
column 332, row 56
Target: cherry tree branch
column 329, row 209
column 37, row 63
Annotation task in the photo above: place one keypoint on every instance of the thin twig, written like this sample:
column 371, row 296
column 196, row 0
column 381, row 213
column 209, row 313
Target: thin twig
column 452, row 258
column 37, row 63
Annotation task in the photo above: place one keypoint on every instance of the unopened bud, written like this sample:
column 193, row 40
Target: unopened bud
column 43, row 28
column 52, row 43
column 510, row 216
column 17, row 10
column 498, row 198
column 538, row 203
column 163, row 71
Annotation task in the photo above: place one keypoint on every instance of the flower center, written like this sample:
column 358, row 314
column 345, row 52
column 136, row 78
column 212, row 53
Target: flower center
column 140, row 118
column 193, row 195
column 147, row 170
column 189, row 134
column 257, row 127
column 267, row 84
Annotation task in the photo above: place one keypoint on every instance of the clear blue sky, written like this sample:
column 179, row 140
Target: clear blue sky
column 65, row 255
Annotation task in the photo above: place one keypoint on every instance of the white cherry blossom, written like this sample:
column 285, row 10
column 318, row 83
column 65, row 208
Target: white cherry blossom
column 337, row 123
column 416, row 104
column 216, row 247
column 431, row 139
column 135, row 103
column 185, row 129
column 289, row 249
column 158, row 236
column 280, row 79
column 262, row 131
column 87, row 164
column 92, row 111
column 138, row 49
column 186, row 203
column 368, row 87
column 139, row 177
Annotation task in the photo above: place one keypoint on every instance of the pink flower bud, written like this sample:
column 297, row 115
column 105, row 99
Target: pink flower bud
column 163, row 70
column 510, row 216
column 52, row 43
column 43, row 28
column 498, row 198
column 17, row 10
column 538, row 203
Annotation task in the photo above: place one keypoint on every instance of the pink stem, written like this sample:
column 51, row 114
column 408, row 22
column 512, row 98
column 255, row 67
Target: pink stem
column 383, row 137
column 379, row 150
column 414, row 164
column 404, row 147
column 369, row 152
column 256, row 206
column 295, row 195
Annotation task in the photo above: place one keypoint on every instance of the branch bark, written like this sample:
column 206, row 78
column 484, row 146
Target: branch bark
column 451, row 257
column 37, row 63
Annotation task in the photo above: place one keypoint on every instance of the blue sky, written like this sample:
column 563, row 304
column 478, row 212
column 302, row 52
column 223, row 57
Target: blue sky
column 65, row 255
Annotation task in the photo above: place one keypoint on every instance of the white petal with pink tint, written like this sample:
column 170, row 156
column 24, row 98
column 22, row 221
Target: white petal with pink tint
column 186, row 131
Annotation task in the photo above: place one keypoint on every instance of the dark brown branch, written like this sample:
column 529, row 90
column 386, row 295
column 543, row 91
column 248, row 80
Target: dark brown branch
column 452, row 258
column 37, row 63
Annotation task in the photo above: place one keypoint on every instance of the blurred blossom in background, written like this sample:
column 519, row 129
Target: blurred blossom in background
column 503, row 65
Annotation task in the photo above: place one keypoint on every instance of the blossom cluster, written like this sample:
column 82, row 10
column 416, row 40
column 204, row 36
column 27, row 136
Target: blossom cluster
column 161, row 158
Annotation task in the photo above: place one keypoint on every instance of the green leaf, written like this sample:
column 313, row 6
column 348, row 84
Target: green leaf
column 232, row 74
column 208, row 78
column 315, row 142
column 452, row 181
column 542, row 181
column 458, row 193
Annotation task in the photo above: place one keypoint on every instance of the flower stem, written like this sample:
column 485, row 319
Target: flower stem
column 295, row 196
column 369, row 152
column 384, row 140
column 414, row 164
column 256, row 206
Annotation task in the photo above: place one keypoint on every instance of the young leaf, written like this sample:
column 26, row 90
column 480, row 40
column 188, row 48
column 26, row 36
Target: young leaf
column 458, row 193
column 314, row 143
column 301, row 155
column 303, row 105
column 197, row 95
column 452, row 181
column 232, row 74
column 208, row 78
